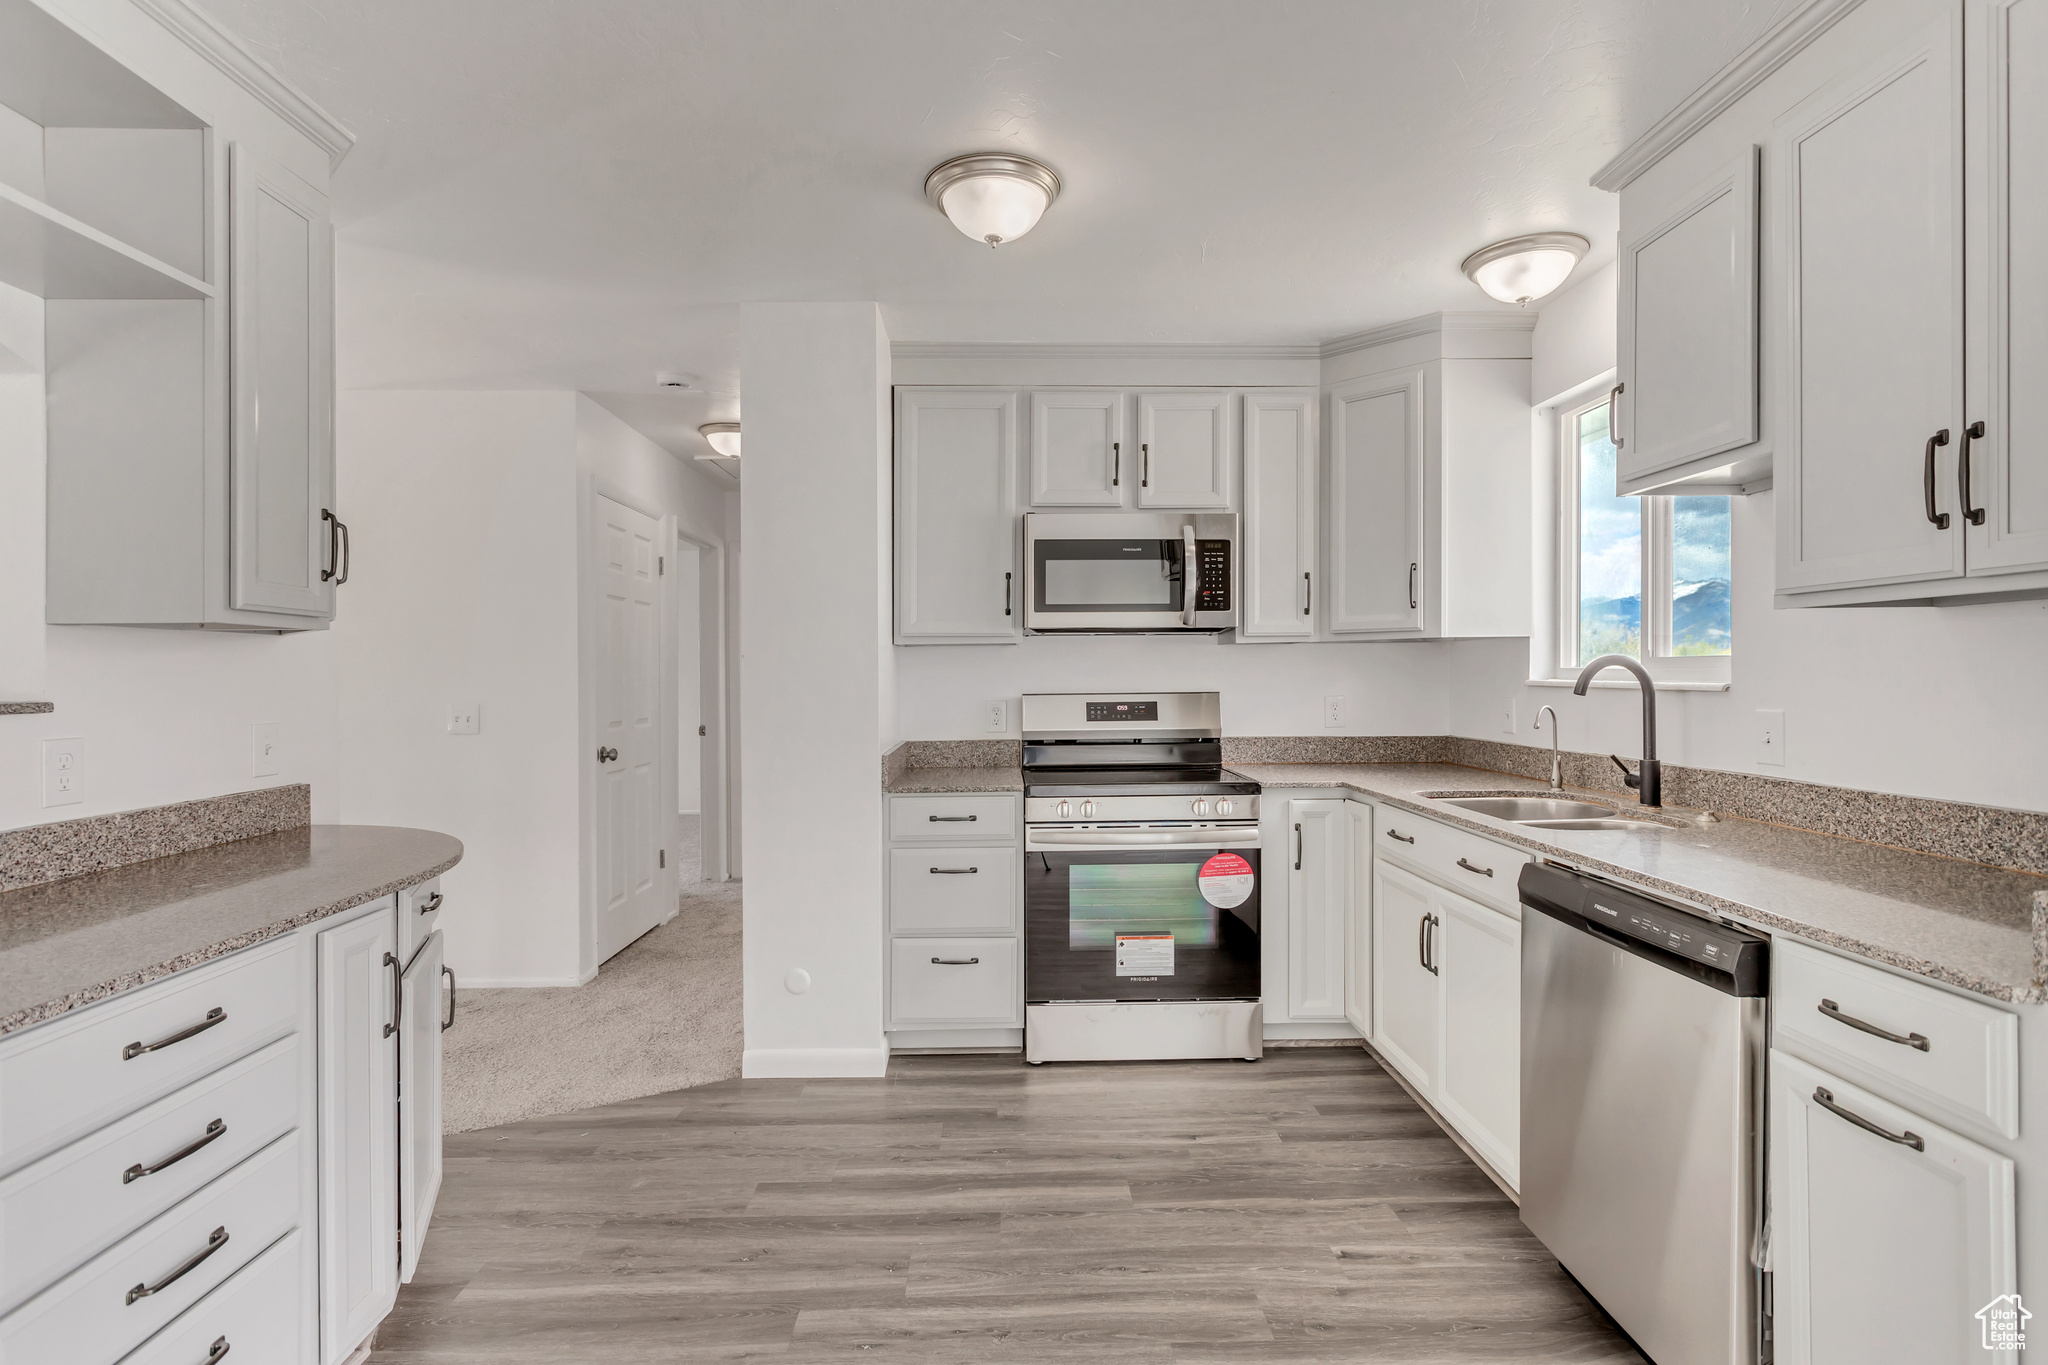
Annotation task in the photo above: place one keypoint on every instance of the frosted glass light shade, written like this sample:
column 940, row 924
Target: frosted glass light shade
column 1524, row 269
column 992, row 197
column 724, row 438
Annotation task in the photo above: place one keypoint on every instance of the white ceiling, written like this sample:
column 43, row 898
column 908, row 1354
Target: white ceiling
column 578, row 193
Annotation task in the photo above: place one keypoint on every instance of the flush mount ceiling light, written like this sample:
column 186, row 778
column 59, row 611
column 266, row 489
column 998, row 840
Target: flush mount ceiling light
column 1523, row 269
column 724, row 438
column 991, row 196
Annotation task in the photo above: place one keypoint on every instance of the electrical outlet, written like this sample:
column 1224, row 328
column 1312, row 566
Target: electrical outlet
column 265, row 752
column 1507, row 718
column 1770, row 737
column 464, row 717
column 63, row 772
column 998, row 721
column 1333, row 713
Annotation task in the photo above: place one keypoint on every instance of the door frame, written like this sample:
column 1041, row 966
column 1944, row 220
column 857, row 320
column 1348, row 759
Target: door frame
column 714, row 822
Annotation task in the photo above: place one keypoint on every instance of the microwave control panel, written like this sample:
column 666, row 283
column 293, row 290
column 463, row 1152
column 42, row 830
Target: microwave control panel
column 1212, row 581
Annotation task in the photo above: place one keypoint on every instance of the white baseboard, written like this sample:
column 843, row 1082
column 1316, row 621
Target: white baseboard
column 1309, row 1030
column 809, row 1063
column 953, row 1039
column 497, row 983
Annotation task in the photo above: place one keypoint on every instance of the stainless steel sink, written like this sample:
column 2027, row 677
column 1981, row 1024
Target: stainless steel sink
column 1527, row 809
column 1588, row 824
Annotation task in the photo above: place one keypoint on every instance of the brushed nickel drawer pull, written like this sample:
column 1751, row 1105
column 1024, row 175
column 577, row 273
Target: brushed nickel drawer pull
column 449, row 1021
column 397, row 994
column 216, row 1015
column 954, row 871
column 1404, row 838
column 217, row 1128
column 955, row 961
column 215, row 1242
column 1825, row 1098
column 1834, row 1012
column 431, row 904
column 1482, row 871
column 952, row 819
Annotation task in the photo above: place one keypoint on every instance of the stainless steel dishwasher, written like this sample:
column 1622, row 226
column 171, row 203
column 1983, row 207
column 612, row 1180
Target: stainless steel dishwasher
column 1642, row 1111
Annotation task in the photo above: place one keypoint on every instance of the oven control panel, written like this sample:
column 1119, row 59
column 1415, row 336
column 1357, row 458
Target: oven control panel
column 1123, row 710
column 1212, row 581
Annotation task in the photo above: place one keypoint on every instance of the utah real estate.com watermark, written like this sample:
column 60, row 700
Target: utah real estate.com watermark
column 2005, row 1323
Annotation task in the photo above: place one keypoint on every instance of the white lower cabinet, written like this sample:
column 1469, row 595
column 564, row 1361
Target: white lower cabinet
column 257, row 1314
column 955, row 983
column 1889, row 1234
column 421, row 1024
column 358, row 1001
column 1318, row 887
column 955, row 914
column 1406, row 995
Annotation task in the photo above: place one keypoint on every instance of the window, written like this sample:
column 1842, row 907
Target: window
column 1646, row 576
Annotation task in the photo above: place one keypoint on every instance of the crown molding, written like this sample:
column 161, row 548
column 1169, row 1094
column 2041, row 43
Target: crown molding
column 1785, row 40
column 198, row 31
column 1055, row 350
column 1429, row 324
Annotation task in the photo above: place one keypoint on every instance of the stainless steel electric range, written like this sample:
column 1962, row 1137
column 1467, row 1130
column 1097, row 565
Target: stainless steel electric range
column 1141, row 881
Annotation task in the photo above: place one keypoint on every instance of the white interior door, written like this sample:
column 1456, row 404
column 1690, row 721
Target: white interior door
column 419, row 1102
column 631, row 881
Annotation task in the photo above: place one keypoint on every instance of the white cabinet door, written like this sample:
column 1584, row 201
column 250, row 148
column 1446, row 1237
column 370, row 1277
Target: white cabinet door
column 1870, row 206
column 1882, row 1251
column 1358, row 921
column 358, row 1084
column 1404, row 983
column 1375, row 510
column 956, row 517
column 1077, row 448
column 419, row 1102
column 1479, row 1088
column 2008, row 208
column 1184, row 457
column 1317, row 879
column 281, row 371
column 1688, row 320
column 1275, row 581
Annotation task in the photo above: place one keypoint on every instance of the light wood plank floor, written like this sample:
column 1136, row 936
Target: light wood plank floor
column 971, row 1209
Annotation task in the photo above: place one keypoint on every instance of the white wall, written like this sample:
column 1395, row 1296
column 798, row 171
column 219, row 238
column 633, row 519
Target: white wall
column 165, row 715
column 813, row 662
column 463, row 507
column 689, row 680
column 1574, row 337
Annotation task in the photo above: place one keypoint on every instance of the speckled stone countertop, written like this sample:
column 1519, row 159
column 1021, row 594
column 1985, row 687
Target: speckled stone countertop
column 68, row 943
column 911, row 781
column 1982, row 928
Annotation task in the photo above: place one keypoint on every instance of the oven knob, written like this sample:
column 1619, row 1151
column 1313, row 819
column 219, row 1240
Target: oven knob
column 1223, row 806
column 1066, row 808
column 1201, row 807
column 1087, row 810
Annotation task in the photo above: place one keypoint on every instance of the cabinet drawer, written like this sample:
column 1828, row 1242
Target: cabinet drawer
column 972, row 981
column 85, row 1197
column 88, row 1317
column 1453, row 857
column 953, row 890
column 419, row 910
column 1968, row 1071
column 967, row 819
column 260, row 1313
column 69, row 1077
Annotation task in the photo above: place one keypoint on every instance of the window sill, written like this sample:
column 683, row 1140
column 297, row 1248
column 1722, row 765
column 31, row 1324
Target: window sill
column 1662, row 684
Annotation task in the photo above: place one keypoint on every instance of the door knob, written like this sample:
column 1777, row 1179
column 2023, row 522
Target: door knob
column 605, row 755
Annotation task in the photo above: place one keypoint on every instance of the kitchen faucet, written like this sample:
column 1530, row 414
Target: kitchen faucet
column 1648, row 779
column 1556, row 770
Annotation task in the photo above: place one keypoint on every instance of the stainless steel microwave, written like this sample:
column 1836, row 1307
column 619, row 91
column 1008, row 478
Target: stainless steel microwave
column 1130, row 572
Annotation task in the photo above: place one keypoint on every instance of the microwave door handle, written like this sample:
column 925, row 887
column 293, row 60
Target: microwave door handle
column 1188, row 577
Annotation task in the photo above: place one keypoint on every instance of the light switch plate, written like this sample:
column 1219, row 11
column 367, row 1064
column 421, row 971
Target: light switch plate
column 1770, row 738
column 464, row 717
column 998, row 719
column 1333, row 713
column 1507, row 717
column 265, row 751
column 63, row 772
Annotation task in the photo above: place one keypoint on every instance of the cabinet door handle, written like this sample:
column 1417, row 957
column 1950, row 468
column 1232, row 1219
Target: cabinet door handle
column 1006, row 594
column 955, row 961
column 1411, row 587
column 1613, row 431
column 1308, row 594
column 1116, row 465
column 1422, row 941
column 1913, row 1040
column 333, row 545
column 1145, row 472
column 347, row 548
column 1482, row 871
column 949, row 819
column 1397, row 834
column 1972, row 432
column 1297, row 848
column 1434, row 922
column 955, row 871
column 448, row 1022
column 1825, row 1098
column 217, row 1352
column 1940, row 519
column 214, row 1130
column 216, row 1015
column 397, row 994
column 431, row 904
column 214, row 1243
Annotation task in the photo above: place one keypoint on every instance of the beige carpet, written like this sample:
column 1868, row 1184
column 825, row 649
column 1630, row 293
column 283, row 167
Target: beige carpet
column 662, row 1015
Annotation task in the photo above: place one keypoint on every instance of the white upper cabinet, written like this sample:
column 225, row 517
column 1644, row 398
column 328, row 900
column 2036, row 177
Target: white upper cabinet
column 1077, row 448
column 1376, row 582
column 1277, row 546
column 282, row 468
column 957, row 528
column 1687, row 345
column 1184, row 449
column 1869, row 180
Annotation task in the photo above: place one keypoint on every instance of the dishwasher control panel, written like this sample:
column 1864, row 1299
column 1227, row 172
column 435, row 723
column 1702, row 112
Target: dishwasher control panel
column 1613, row 910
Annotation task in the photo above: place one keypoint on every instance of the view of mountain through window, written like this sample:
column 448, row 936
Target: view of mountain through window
column 1701, row 614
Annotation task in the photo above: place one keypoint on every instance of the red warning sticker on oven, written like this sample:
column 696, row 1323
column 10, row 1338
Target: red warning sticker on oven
column 1225, row 881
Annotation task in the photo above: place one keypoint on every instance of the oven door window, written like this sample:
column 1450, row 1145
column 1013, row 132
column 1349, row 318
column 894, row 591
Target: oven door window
column 1136, row 924
column 1107, row 575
